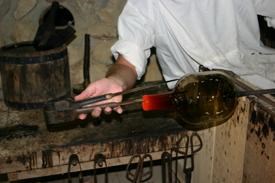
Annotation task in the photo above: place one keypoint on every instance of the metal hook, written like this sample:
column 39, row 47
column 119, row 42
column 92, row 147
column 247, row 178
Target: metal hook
column 187, row 157
column 73, row 161
column 166, row 159
column 199, row 146
column 177, row 151
column 189, row 169
column 100, row 161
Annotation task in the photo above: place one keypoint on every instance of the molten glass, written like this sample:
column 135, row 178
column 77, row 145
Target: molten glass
column 157, row 102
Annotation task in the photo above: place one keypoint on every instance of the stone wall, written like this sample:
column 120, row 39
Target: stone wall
column 19, row 22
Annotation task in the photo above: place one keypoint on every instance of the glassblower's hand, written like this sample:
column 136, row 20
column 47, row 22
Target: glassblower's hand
column 101, row 87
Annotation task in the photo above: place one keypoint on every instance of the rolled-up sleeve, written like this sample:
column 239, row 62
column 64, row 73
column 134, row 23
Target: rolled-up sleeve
column 265, row 7
column 136, row 37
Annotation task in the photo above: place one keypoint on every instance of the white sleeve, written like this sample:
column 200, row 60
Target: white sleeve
column 136, row 37
column 265, row 7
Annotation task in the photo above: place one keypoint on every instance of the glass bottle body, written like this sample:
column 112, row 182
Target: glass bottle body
column 203, row 100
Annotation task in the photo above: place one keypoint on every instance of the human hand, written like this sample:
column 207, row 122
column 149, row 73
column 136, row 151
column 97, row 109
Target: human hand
column 101, row 87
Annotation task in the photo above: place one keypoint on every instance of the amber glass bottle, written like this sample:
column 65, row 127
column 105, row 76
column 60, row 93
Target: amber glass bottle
column 204, row 99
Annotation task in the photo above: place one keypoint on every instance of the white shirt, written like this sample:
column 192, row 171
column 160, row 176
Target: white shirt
column 215, row 33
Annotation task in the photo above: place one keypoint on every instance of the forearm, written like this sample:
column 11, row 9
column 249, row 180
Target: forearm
column 123, row 73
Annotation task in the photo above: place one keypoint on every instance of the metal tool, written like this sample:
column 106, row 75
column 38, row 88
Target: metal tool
column 176, row 150
column 67, row 110
column 255, row 92
column 100, row 162
column 166, row 167
column 193, row 144
column 188, row 166
column 86, row 67
column 73, row 161
column 137, row 173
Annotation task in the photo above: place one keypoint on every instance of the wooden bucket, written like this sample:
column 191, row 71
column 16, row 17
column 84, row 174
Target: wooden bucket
column 32, row 78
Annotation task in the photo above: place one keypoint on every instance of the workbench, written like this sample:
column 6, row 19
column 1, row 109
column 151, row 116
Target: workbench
column 31, row 149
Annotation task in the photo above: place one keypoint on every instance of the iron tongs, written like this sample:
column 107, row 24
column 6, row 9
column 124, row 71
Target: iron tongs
column 86, row 105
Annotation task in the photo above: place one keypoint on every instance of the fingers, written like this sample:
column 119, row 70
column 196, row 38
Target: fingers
column 96, row 112
column 109, row 110
column 101, row 87
column 82, row 116
column 89, row 91
column 118, row 110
